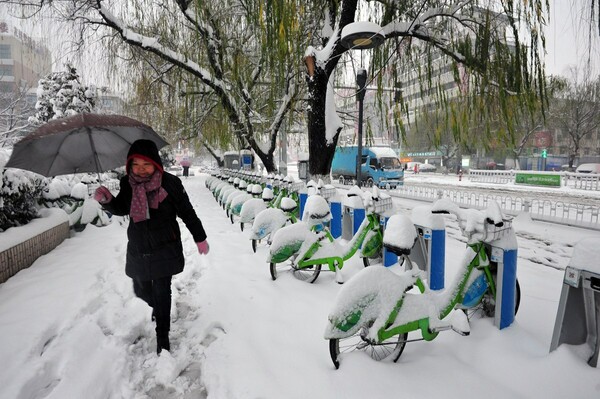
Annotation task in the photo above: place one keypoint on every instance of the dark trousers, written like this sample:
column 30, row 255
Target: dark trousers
column 157, row 294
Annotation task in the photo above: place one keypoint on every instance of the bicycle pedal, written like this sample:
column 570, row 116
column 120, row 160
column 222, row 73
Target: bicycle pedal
column 362, row 345
column 460, row 323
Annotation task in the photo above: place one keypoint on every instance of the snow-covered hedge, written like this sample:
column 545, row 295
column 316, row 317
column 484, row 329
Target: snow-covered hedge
column 23, row 193
column 19, row 197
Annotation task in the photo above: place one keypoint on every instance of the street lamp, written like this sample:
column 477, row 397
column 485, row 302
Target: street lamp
column 360, row 36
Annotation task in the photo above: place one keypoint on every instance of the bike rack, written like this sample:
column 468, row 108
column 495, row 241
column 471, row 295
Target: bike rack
column 429, row 251
column 578, row 316
column 502, row 247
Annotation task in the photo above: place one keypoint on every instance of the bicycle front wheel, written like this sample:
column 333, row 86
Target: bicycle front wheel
column 308, row 274
column 390, row 349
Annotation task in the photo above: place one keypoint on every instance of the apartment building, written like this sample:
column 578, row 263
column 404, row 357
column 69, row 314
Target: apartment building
column 23, row 60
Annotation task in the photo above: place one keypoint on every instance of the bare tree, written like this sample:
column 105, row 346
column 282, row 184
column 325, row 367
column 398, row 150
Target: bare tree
column 14, row 113
column 575, row 110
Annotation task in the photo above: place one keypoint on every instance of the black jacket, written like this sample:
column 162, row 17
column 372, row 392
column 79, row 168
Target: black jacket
column 154, row 249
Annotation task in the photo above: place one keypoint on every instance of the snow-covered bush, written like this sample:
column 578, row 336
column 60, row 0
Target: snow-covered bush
column 19, row 197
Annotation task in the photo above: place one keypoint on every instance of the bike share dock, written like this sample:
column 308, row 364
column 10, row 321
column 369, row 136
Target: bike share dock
column 578, row 316
column 502, row 247
column 429, row 251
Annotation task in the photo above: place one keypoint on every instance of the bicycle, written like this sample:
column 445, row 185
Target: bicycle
column 313, row 245
column 269, row 220
column 366, row 318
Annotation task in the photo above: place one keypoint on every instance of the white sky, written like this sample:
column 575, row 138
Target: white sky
column 72, row 328
column 567, row 40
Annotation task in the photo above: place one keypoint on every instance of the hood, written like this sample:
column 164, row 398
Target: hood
column 145, row 149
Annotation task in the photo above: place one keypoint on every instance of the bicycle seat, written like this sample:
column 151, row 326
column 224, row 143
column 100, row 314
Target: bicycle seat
column 316, row 210
column 399, row 251
column 288, row 204
column 400, row 235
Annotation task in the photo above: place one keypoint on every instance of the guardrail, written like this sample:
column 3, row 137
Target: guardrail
column 567, row 213
column 581, row 181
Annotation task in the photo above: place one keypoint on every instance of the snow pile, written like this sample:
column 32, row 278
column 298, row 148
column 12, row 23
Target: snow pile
column 316, row 210
column 251, row 208
column 267, row 222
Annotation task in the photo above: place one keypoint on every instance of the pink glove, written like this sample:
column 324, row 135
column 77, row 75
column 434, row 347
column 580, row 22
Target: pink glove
column 202, row 247
column 103, row 195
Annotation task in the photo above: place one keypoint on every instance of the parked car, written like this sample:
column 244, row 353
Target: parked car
column 588, row 168
column 427, row 167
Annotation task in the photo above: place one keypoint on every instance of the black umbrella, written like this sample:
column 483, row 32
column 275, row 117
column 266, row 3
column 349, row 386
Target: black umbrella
column 80, row 143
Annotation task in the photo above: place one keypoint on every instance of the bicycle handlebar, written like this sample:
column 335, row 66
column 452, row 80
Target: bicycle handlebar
column 473, row 223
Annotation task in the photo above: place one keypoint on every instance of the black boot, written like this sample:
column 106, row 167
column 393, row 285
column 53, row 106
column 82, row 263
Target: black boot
column 162, row 342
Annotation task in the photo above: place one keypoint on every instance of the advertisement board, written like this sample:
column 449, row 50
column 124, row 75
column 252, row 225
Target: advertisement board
column 535, row 179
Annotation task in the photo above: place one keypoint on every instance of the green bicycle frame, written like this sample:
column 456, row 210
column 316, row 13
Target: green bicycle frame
column 480, row 261
column 371, row 223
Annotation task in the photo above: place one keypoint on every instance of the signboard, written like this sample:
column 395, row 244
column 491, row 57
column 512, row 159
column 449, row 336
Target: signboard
column 547, row 180
column 424, row 154
column 542, row 139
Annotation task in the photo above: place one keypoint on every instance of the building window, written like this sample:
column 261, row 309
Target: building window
column 5, row 52
column 6, row 70
column 6, row 87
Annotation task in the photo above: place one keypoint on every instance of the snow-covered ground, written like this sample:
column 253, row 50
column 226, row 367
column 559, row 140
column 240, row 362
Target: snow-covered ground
column 72, row 328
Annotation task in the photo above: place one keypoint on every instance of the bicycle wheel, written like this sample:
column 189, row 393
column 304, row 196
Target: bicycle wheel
column 273, row 270
column 372, row 261
column 308, row 274
column 487, row 306
column 389, row 349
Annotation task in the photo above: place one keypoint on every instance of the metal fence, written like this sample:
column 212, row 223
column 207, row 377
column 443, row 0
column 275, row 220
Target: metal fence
column 568, row 213
column 580, row 181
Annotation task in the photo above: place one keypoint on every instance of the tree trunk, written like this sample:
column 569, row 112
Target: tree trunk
column 267, row 159
column 321, row 152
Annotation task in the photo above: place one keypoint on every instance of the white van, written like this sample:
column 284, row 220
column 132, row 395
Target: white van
column 588, row 168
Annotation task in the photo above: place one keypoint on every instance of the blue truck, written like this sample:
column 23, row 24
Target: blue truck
column 380, row 166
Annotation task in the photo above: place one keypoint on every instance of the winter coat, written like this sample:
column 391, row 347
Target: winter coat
column 154, row 249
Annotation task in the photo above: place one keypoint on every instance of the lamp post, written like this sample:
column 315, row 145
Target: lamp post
column 361, row 81
column 360, row 36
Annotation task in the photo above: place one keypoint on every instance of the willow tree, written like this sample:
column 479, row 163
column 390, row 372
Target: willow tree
column 211, row 57
column 494, row 59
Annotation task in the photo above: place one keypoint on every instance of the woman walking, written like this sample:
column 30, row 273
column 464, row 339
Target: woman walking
column 153, row 199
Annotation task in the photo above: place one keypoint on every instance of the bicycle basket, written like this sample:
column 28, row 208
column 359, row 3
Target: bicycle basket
column 296, row 186
column 382, row 205
column 493, row 232
column 327, row 192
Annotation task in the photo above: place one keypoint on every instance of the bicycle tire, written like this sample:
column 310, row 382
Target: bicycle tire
column 372, row 261
column 307, row 274
column 391, row 349
column 273, row 270
column 487, row 306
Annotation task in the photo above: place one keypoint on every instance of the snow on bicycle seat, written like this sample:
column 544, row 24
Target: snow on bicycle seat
column 316, row 210
column 287, row 204
column 400, row 234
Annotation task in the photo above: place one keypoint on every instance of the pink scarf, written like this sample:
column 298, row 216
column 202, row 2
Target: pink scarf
column 146, row 191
